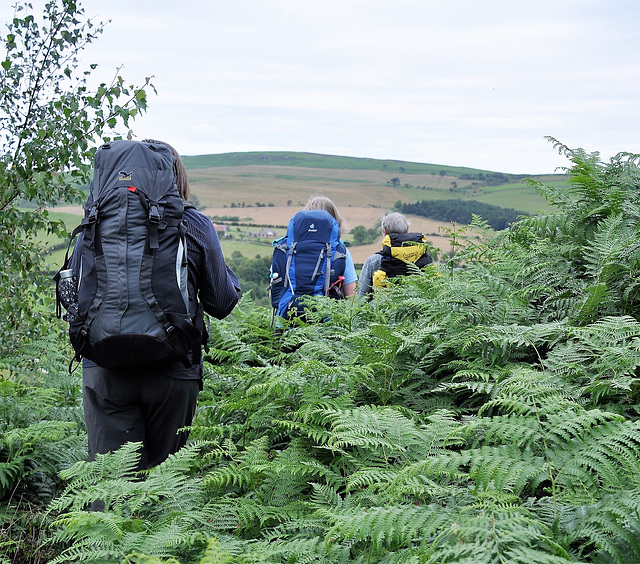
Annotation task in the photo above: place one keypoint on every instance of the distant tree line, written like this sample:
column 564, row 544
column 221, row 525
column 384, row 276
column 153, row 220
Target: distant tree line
column 245, row 205
column 491, row 178
column 460, row 211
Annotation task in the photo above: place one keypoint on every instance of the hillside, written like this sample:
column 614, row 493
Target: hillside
column 316, row 160
column 283, row 177
column 267, row 188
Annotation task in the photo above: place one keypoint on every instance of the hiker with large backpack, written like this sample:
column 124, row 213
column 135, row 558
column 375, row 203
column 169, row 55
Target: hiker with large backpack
column 311, row 259
column 147, row 266
column 399, row 248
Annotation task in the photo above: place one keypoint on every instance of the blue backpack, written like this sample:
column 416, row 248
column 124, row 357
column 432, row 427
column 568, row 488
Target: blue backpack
column 308, row 261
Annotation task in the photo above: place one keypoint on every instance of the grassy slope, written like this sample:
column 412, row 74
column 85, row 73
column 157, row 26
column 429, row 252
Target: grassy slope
column 280, row 177
column 268, row 188
column 233, row 184
column 315, row 160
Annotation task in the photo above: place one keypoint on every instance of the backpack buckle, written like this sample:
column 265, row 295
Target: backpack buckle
column 93, row 214
column 154, row 214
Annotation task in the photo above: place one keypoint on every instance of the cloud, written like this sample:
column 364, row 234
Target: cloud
column 444, row 81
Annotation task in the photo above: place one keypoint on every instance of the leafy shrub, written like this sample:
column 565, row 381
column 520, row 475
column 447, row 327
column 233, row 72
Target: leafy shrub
column 41, row 433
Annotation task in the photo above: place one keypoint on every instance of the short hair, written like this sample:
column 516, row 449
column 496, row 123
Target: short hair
column 395, row 223
column 179, row 170
column 320, row 202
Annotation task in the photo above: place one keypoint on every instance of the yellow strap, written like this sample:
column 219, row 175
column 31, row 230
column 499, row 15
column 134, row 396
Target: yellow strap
column 379, row 279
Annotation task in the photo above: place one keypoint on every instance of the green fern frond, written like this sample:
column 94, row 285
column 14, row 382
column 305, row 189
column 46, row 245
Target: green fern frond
column 226, row 549
column 510, row 429
column 313, row 411
column 286, row 479
column 382, row 429
column 316, row 434
column 159, row 516
column 228, row 347
column 595, row 301
column 443, row 431
column 309, row 550
column 89, row 481
column 609, row 242
column 576, row 424
column 22, row 405
column 496, row 535
column 37, row 363
column 506, row 469
column 445, row 469
column 325, row 495
column 610, row 454
column 243, row 470
column 527, row 392
column 477, row 380
column 610, row 328
column 374, row 478
column 30, row 457
column 25, row 439
column 386, row 527
column 511, row 341
column 610, row 529
column 139, row 558
column 602, row 357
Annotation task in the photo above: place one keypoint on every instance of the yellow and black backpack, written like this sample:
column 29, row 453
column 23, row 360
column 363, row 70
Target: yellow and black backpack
column 399, row 249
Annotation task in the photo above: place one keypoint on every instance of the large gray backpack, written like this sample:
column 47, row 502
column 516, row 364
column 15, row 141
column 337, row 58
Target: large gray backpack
column 131, row 262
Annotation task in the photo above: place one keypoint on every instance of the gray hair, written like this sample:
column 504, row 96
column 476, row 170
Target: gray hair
column 395, row 223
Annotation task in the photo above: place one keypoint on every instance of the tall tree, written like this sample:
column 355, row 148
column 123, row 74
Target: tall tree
column 50, row 122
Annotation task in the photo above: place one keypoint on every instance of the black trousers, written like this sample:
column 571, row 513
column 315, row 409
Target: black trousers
column 137, row 406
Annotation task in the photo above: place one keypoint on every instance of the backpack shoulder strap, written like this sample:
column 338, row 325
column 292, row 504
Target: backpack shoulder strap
column 281, row 244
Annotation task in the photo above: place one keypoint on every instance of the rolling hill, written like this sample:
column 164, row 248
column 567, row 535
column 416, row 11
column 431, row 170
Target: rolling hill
column 264, row 189
column 267, row 188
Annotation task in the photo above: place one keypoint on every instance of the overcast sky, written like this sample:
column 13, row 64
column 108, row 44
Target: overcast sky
column 455, row 82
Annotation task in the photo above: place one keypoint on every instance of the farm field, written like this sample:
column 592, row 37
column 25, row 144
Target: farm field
column 278, row 216
column 269, row 193
column 267, row 189
column 278, row 186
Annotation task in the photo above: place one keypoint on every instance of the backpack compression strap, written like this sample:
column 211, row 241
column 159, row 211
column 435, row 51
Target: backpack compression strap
column 287, row 279
column 155, row 220
column 316, row 270
column 327, row 274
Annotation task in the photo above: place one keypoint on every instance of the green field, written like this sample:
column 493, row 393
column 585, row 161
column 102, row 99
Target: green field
column 58, row 246
column 267, row 188
column 247, row 248
column 315, row 160
column 279, row 178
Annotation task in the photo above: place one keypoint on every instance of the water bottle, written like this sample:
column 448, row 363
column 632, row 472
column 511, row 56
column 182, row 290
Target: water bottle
column 68, row 294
